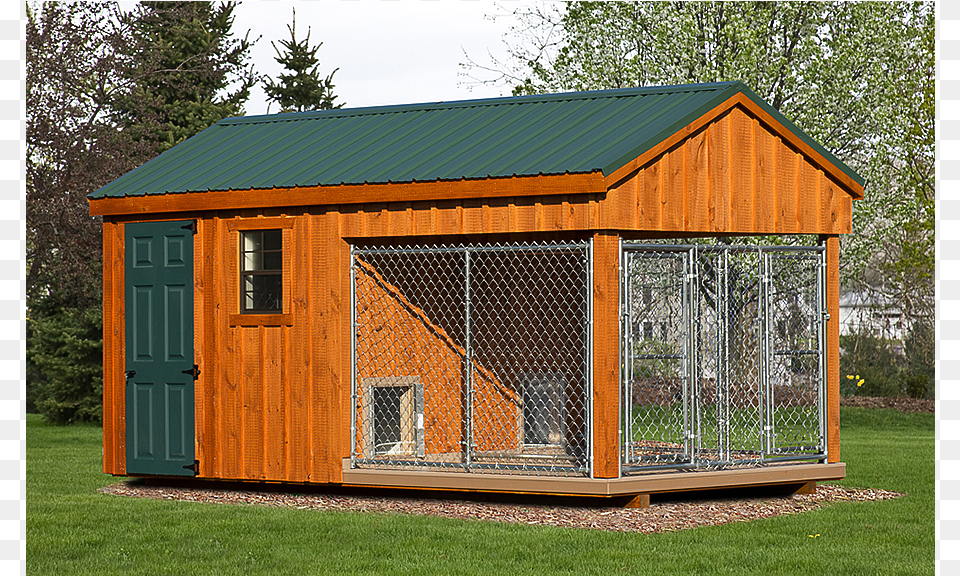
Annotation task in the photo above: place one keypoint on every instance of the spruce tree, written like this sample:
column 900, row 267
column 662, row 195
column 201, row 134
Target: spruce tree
column 106, row 90
column 301, row 87
column 190, row 71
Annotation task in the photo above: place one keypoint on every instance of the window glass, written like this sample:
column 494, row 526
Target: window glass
column 261, row 270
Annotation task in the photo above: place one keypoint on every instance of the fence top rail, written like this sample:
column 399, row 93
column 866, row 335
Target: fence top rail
column 637, row 247
column 573, row 246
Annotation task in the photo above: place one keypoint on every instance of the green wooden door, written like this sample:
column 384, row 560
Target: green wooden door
column 159, row 348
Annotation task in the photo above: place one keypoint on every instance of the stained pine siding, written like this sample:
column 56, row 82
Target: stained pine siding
column 273, row 398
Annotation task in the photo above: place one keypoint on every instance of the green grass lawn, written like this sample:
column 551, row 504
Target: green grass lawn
column 72, row 529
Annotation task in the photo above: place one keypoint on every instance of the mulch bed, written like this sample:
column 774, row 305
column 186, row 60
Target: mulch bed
column 665, row 516
column 661, row 516
column 897, row 403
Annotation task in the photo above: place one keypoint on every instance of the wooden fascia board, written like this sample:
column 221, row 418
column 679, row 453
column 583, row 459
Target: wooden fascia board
column 516, row 186
column 739, row 99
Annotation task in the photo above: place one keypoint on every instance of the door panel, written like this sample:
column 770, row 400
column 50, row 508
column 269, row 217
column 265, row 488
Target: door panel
column 795, row 354
column 657, row 417
column 159, row 348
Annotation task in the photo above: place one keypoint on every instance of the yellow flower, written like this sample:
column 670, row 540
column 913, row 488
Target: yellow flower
column 860, row 382
column 849, row 376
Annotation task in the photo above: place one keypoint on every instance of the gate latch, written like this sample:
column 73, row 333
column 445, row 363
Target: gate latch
column 195, row 372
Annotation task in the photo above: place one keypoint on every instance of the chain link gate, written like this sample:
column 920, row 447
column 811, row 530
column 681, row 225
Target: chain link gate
column 723, row 356
column 472, row 357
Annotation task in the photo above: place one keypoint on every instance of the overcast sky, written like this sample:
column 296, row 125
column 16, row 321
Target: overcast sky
column 387, row 51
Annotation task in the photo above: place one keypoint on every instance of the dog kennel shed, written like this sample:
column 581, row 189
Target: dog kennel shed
column 453, row 296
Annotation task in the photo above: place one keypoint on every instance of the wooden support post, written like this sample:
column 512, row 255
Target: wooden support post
column 639, row 501
column 833, row 346
column 806, row 488
column 606, row 355
column 114, row 403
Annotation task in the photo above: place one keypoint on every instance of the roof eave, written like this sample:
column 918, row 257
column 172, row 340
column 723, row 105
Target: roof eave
column 736, row 95
column 514, row 186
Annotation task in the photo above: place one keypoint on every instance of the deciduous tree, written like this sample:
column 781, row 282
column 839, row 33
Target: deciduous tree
column 857, row 76
column 105, row 92
column 72, row 145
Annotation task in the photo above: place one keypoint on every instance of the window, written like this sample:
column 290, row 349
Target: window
column 261, row 271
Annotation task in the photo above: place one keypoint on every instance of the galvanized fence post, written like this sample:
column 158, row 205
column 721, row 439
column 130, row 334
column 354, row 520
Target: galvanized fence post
column 468, row 365
column 589, row 357
column 824, row 317
column 353, row 359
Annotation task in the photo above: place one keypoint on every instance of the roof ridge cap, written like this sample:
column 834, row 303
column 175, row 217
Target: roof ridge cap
column 476, row 103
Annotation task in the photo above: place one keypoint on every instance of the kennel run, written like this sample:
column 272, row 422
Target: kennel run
column 481, row 295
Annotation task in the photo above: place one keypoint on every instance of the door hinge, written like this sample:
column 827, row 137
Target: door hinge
column 195, row 467
column 195, row 372
column 130, row 374
column 192, row 226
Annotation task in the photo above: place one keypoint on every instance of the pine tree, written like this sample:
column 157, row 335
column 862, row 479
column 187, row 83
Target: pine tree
column 301, row 88
column 106, row 90
column 184, row 59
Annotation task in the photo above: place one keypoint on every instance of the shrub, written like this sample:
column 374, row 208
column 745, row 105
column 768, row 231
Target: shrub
column 886, row 369
column 919, row 377
column 872, row 360
column 65, row 362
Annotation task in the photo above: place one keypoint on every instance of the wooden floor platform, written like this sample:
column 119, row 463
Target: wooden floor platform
column 645, row 484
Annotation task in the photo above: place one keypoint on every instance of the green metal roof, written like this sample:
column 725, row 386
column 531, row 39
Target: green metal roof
column 577, row 132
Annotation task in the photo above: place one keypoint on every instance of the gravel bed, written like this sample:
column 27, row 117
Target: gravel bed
column 661, row 516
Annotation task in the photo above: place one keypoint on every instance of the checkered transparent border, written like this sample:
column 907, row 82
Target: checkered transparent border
column 948, row 288
column 13, row 450
column 12, row 285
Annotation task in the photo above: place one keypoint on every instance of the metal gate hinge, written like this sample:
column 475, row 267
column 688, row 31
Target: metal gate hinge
column 195, row 372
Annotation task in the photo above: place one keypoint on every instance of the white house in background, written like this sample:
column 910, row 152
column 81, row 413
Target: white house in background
column 872, row 310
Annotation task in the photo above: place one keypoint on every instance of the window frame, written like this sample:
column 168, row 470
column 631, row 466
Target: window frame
column 237, row 315
column 410, row 404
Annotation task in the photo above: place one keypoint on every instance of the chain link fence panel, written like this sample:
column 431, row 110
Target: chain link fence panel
column 472, row 357
column 722, row 356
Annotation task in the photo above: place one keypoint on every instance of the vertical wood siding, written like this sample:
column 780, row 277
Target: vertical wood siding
column 833, row 348
column 114, row 335
column 733, row 176
column 606, row 355
column 273, row 398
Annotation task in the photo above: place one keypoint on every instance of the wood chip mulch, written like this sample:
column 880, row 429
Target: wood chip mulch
column 894, row 403
column 661, row 516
